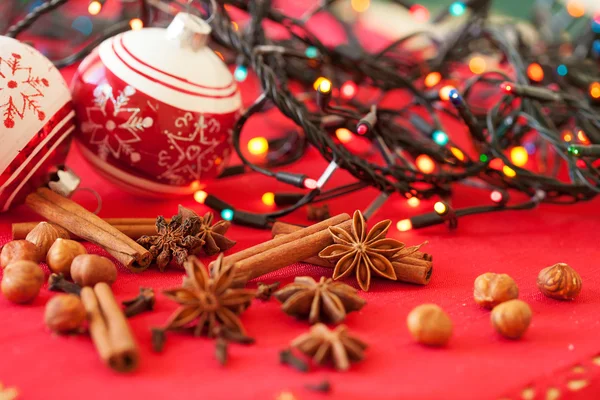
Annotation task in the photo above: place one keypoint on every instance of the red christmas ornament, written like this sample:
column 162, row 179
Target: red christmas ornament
column 36, row 119
column 156, row 108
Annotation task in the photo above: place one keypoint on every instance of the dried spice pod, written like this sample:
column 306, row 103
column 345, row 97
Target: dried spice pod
column 323, row 301
column 90, row 269
column 559, row 281
column 18, row 250
column 22, row 281
column 338, row 347
column 362, row 251
column 212, row 236
column 430, row 325
column 43, row 237
column 65, row 313
column 61, row 255
column 491, row 289
column 511, row 318
column 173, row 240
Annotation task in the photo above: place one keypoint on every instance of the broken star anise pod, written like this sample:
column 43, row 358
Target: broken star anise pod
column 173, row 240
column 213, row 236
column 326, row 346
column 362, row 252
column 208, row 304
column 323, row 301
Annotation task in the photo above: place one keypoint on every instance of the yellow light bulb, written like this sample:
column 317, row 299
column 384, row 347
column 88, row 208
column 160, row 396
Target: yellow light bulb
column 258, row 146
column 432, row 79
column 445, row 92
column 413, row 202
column 440, row 208
column 425, row 164
column 457, row 153
column 318, row 81
column 477, row 65
column 343, row 135
column 136, row 24
column 519, row 156
column 200, row 196
column 404, row 225
column 508, row 171
column 268, row 199
column 94, row 8
column 325, row 86
column 360, row 5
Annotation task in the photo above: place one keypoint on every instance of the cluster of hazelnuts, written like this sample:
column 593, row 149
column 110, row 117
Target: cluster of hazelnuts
column 510, row 317
column 23, row 277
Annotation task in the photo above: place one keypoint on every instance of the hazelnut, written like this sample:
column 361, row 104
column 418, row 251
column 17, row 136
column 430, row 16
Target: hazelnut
column 559, row 282
column 65, row 313
column 89, row 269
column 18, row 250
column 430, row 325
column 492, row 289
column 22, row 281
column 61, row 255
column 511, row 318
column 43, row 236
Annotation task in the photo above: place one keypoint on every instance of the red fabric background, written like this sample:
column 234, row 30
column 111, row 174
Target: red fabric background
column 477, row 364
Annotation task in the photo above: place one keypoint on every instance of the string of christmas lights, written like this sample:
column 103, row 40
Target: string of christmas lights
column 515, row 96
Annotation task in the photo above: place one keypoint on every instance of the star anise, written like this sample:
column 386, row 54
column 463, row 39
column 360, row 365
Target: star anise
column 361, row 251
column 213, row 236
column 323, row 301
column 173, row 240
column 338, row 346
column 208, row 304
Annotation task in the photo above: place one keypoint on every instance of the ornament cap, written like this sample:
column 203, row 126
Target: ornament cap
column 189, row 31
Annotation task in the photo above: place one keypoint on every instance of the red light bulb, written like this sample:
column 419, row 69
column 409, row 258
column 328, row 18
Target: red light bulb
column 506, row 86
column 419, row 13
column 362, row 129
column 348, row 90
column 310, row 183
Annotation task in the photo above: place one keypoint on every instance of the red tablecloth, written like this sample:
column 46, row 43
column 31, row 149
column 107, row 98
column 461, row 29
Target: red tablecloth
column 559, row 353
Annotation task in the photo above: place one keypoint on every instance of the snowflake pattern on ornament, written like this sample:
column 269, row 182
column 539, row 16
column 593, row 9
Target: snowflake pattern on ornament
column 19, row 90
column 113, row 125
column 194, row 152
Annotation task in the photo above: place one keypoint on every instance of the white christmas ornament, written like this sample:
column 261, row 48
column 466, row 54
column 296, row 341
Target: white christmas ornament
column 156, row 108
column 36, row 119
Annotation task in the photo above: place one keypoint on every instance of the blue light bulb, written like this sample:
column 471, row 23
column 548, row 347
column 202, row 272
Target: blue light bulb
column 241, row 73
column 457, row 8
column 455, row 98
column 227, row 214
column 311, row 52
column 440, row 137
column 562, row 70
column 596, row 26
column 596, row 46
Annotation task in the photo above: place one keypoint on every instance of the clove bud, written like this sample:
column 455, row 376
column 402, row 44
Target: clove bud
column 142, row 303
column 323, row 386
column 286, row 357
column 58, row 283
column 221, row 350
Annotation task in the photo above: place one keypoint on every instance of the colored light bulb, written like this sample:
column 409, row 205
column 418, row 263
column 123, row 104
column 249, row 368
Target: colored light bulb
column 311, row 52
column 595, row 90
column 562, row 70
column 575, row 8
column 362, row 129
column 582, row 137
column 343, row 135
column 310, row 183
column 432, row 79
column 241, row 73
column 136, row 24
column 440, row 208
column 425, row 164
column 508, row 171
column 413, row 202
column 200, row 196
column 94, row 7
column 258, row 146
column 483, row 158
column 496, row 196
column 457, row 153
column 360, row 5
column 348, row 90
column 519, row 156
column 477, row 65
column 404, row 225
column 440, row 137
column 455, row 97
column 445, row 92
column 506, row 86
column 268, row 199
column 596, row 46
column 227, row 214
column 325, row 86
column 457, row 8
column 535, row 72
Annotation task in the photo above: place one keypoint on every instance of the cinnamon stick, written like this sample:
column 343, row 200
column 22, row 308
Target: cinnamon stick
column 270, row 244
column 109, row 329
column 134, row 229
column 282, row 255
column 71, row 216
column 415, row 268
